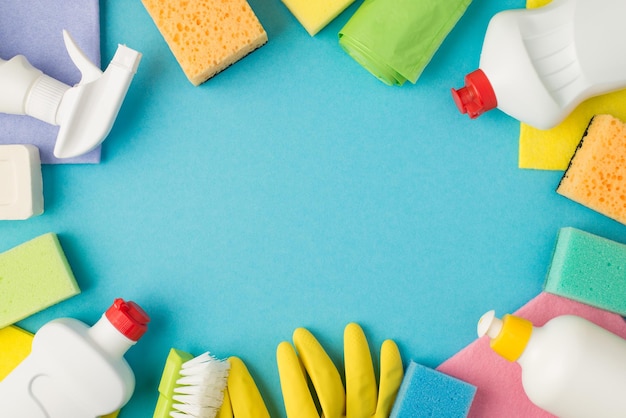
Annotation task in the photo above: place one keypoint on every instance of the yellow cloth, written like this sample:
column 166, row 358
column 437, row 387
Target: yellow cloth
column 14, row 347
column 552, row 149
column 314, row 15
column 15, row 344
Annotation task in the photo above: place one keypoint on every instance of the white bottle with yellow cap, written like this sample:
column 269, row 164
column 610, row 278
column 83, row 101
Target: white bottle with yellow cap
column 570, row 366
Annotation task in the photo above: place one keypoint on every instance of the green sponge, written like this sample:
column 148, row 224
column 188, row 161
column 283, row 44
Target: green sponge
column 589, row 269
column 34, row 276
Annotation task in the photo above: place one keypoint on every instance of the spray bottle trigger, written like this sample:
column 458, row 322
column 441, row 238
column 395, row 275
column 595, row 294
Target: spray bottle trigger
column 89, row 71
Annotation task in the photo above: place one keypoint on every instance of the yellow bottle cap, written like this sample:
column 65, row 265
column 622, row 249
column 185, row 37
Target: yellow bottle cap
column 509, row 335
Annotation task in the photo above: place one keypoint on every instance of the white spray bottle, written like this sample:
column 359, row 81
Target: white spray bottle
column 85, row 113
column 537, row 65
column 75, row 370
column 571, row 367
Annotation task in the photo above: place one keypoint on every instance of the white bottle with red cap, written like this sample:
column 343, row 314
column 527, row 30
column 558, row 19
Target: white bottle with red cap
column 537, row 65
column 75, row 370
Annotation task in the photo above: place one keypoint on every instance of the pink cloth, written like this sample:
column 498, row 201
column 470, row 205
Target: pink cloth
column 500, row 393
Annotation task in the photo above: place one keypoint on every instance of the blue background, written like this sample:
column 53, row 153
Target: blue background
column 295, row 189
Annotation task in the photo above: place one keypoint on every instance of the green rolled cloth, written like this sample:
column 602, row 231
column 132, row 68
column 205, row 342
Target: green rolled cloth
column 395, row 39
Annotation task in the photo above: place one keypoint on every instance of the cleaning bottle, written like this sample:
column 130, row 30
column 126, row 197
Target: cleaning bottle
column 571, row 367
column 75, row 370
column 85, row 112
column 537, row 65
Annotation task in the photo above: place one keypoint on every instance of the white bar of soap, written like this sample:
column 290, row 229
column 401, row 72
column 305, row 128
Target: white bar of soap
column 21, row 184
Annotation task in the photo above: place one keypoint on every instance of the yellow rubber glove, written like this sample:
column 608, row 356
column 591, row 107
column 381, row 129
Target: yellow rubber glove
column 360, row 399
column 242, row 398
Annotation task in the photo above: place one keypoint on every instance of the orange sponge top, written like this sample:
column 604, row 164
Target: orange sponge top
column 596, row 176
column 206, row 36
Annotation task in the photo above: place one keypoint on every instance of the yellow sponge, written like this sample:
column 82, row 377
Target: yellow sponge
column 14, row 347
column 206, row 36
column 552, row 149
column 596, row 176
column 34, row 276
column 315, row 14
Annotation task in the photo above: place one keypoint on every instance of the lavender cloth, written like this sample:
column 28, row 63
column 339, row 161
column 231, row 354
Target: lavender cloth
column 33, row 28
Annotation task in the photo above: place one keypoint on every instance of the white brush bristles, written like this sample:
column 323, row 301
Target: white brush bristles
column 200, row 389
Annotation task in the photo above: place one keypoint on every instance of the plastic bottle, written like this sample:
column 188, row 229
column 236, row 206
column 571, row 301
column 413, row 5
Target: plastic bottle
column 571, row 367
column 76, row 371
column 537, row 65
column 85, row 113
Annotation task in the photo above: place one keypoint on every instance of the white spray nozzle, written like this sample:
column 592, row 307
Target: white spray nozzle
column 88, row 70
column 85, row 113
column 489, row 325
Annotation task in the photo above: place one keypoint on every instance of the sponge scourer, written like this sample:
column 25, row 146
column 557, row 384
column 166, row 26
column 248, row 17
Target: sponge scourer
column 425, row 392
column 589, row 269
column 206, row 36
column 596, row 176
column 34, row 276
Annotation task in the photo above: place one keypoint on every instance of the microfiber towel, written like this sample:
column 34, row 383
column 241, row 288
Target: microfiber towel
column 500, row 392
column 33, row 28
column 395, row 39
column 552, row 149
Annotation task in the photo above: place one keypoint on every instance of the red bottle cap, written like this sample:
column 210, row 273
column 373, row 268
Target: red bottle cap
column 128, row 318
column 477, row 96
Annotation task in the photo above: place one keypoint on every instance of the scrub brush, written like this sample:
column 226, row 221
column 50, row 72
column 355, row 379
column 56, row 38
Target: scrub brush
column 191, row 387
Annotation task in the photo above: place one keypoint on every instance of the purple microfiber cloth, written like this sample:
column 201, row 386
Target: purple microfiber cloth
column 500, row 392
column 33, row 28
column 426, row 392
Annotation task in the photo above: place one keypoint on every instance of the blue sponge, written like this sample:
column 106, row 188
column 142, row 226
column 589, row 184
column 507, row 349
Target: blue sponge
column 426, row 392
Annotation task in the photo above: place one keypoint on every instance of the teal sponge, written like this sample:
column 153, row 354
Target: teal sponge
column 426, row 392
column 34, row 276
column 589, row 269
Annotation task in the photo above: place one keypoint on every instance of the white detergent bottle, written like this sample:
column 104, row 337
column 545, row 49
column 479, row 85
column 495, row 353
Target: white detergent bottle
column 76, row 371
column 571, row 367
column 537, row 65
